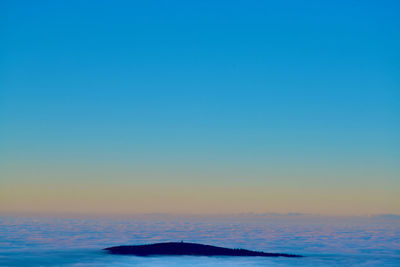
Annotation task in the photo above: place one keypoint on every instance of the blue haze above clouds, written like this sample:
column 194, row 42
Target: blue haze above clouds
column 294, row 92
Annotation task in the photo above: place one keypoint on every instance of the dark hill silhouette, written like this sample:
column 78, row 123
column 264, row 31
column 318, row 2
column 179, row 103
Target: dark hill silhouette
column 183, row 248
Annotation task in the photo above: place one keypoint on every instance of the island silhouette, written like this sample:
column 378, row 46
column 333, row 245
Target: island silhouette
column 190, row 249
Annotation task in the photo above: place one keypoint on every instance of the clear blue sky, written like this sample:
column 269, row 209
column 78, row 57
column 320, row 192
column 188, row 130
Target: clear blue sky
column 270, row 94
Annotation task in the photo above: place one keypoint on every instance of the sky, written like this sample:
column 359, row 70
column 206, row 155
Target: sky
column 200, row 107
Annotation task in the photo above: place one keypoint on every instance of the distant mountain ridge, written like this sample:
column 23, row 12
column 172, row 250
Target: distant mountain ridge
column 192, row 249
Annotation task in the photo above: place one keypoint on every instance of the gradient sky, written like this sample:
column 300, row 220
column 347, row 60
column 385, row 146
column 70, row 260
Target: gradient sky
column 200, row 106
